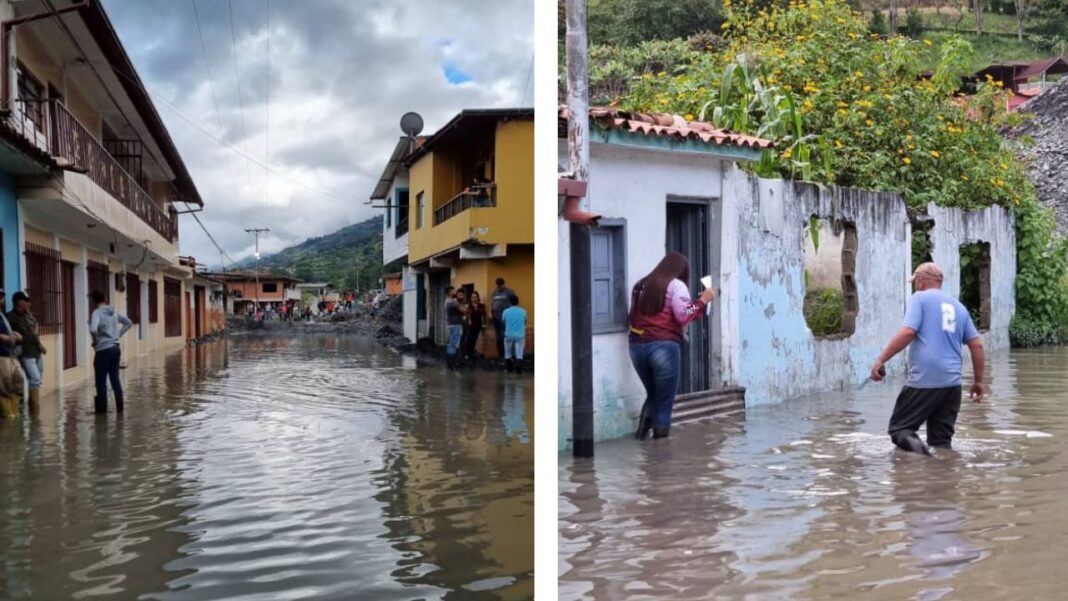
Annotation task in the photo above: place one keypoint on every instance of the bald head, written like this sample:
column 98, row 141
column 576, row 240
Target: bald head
column 927, row 276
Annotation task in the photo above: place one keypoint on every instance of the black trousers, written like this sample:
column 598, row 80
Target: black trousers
column 936, row 406
column 106, row 367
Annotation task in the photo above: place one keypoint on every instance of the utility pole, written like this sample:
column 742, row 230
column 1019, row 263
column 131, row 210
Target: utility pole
column 256, row 231
column 578, row 146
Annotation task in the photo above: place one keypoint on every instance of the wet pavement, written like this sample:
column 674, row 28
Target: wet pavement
column 809, row 500
column 274, row 468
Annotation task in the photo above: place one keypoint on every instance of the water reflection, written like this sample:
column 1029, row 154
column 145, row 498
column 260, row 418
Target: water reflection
column 808, row 500
column 269, row 467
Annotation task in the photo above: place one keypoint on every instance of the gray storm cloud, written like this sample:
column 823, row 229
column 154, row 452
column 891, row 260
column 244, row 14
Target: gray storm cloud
column 339, row 75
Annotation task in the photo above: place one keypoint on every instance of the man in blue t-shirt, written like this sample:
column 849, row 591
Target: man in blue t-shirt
column 936, row 327
column 515, row 334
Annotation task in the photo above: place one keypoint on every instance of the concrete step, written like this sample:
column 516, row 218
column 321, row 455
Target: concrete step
column 698, row 406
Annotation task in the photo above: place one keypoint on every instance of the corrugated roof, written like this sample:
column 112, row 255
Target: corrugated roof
column 401, row 152
column 665, row 125
column 1042, row 66
column 468, row 116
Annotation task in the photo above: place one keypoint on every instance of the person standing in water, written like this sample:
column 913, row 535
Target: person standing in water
column 32, row 357
column 454, row 322
column 104, row 327
column 660, row 308
column 935, row 329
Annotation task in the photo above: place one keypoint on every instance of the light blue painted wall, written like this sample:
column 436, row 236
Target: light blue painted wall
column 767, row 346
column 9, row 223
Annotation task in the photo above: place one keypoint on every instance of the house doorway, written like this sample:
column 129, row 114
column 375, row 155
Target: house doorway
column 439, row 281
column 70, row 337
column 689, row 231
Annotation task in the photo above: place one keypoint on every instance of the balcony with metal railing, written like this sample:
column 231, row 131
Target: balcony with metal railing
column 473, row 197
column 49, row 125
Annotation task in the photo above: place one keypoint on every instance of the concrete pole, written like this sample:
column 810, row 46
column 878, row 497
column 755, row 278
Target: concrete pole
column 578, row 147
column 256, row 232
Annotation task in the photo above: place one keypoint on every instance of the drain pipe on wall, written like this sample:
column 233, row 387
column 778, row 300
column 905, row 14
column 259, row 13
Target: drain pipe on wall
column 578, row 146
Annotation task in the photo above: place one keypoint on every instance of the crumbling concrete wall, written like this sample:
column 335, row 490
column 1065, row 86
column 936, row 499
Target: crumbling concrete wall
column 771, row 351
column 774, row 354
column 996, row 226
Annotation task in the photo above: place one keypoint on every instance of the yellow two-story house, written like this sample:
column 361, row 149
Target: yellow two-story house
column 91, row 185
column 471, row 213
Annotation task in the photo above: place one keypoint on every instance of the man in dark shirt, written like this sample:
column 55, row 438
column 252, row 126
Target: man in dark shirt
column 498, row 303
column 454, row 321
column 31, row 359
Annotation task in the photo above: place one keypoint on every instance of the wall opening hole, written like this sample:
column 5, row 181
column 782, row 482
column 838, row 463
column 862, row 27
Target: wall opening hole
column 830, row 258
column 975, row 282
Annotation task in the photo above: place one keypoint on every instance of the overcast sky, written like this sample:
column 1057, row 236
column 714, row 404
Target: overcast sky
column 341, row 74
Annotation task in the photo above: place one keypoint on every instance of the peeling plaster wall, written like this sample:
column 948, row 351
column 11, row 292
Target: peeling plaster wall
column 632, row 184
column 778, row 358
column 996, row 225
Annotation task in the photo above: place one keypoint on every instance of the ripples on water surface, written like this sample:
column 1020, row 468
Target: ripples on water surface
column 269, row 468
column 809, row 500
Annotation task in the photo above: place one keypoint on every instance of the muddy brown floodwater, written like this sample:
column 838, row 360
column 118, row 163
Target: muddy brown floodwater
column 809, row 500
column 274, row 468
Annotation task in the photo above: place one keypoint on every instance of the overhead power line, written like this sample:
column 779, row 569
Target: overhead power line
column 237, row 77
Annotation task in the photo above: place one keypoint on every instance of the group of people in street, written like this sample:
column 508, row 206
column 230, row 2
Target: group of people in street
column 466, row 316
column 22, row 354
column 935, row 329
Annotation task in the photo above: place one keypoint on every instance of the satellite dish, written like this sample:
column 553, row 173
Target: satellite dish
column 411, row 124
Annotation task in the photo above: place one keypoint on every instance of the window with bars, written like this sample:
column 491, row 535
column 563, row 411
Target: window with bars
column 133, row 297
column 43, row 286
column 153, row 301
column 172, row 307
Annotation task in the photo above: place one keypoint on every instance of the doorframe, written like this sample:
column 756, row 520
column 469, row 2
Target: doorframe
column 714, row 237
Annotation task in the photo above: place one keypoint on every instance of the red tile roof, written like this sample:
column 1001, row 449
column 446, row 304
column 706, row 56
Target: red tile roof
column 667, row 125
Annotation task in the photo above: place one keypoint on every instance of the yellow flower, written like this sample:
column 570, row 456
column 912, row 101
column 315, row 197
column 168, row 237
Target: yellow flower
column 726, row 3
column 926, row 42
column 661, row 74
column 789, row 87
column 1017, row 200
column 726, row 25
column 912, row 147
column 867, row 88
column 688, row 117
column 786, row 154
column 807, row 104
column 869, row 122
column 842, row 105
column 839, row 20
column 858, row 74
column 907, row 161
column 838, row 144
column 936, row 154
column 965, row 178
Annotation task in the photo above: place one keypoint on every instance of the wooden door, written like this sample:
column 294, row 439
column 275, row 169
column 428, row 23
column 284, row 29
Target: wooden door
column 70, row 338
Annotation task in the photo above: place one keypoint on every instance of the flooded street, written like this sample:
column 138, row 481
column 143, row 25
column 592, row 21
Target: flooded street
column 810, row 500
column 275, row 468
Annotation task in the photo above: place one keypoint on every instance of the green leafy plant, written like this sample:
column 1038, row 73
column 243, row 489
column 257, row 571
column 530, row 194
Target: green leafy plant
column 823, row 311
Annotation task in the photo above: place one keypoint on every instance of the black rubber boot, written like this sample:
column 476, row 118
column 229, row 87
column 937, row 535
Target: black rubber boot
column 645, row 424
column 661, row 431
column 100, row 405
column 118, row 405
column 508, row 365
column 908, row 441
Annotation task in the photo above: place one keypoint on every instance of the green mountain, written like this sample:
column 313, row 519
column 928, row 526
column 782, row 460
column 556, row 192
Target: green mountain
column 338, row 258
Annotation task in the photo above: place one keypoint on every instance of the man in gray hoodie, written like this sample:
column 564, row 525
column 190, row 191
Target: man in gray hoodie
column 104, row 327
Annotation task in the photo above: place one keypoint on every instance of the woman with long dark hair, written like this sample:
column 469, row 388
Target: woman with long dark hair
column 660, row 307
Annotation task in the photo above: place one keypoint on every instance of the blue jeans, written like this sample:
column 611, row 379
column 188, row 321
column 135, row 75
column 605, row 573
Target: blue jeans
column 513, row 347
column 106, row 367
column 657, row 364
column 34, row 368
column 455, row 332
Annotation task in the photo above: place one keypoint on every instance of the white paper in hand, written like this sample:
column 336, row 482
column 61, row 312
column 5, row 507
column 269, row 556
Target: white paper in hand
column 707, row 283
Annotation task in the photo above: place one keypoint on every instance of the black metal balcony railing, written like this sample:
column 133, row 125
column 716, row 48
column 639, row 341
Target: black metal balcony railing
column 402, row 224
column 475, row 197
column 68, row 141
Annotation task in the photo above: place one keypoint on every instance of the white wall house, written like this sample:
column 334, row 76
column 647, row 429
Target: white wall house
column 677, row 186
column 391, row 194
